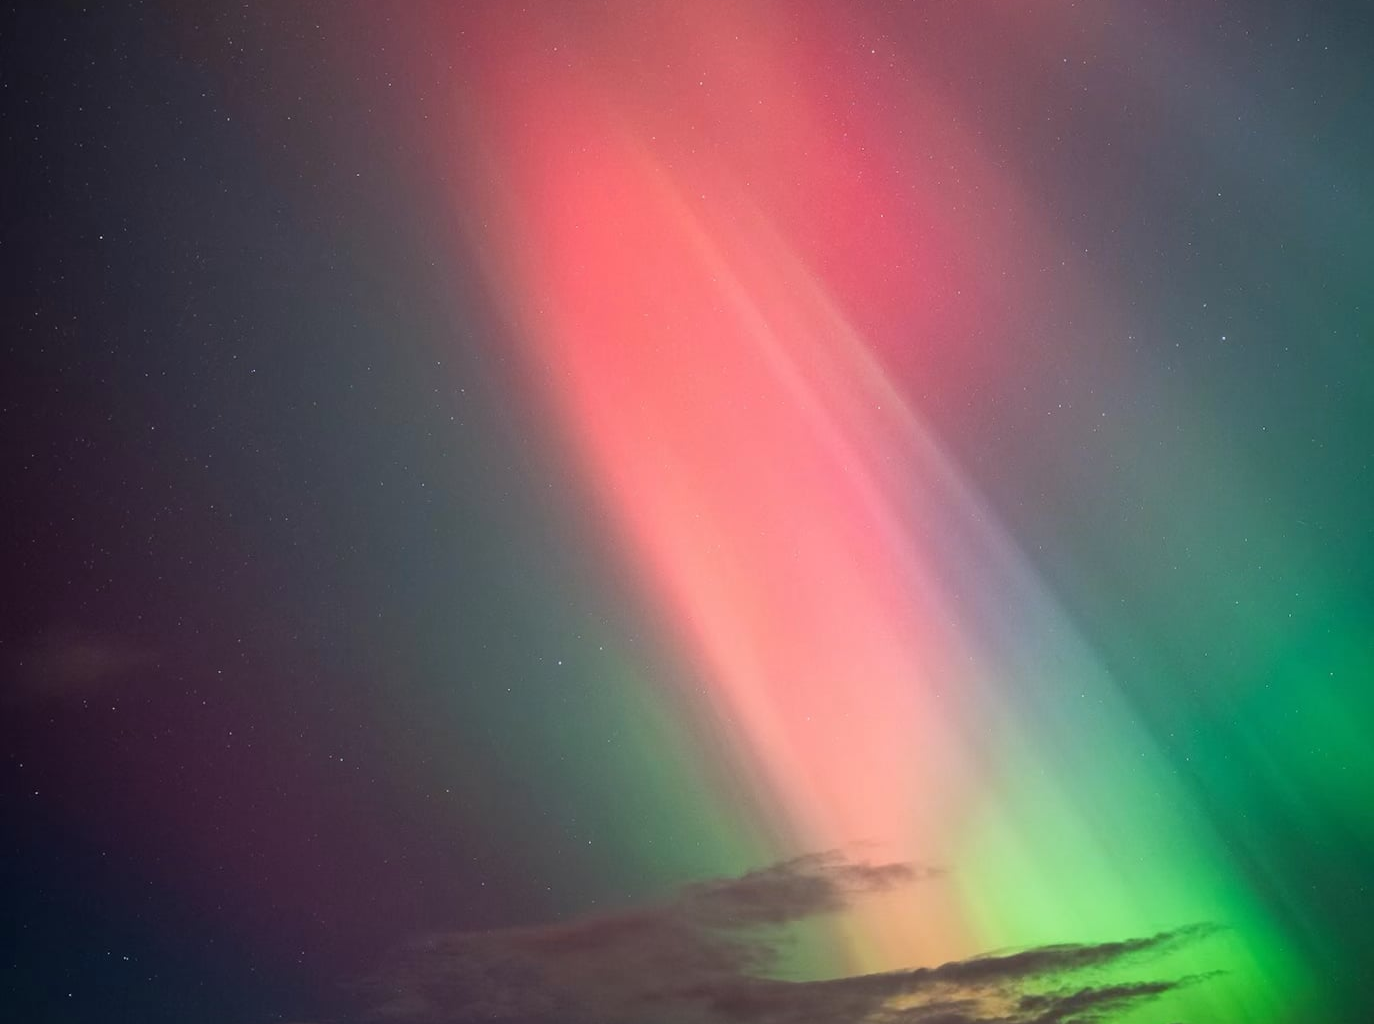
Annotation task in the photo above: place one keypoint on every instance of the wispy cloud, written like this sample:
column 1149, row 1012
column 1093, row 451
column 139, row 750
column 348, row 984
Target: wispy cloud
column 703, row 957
column 69, row 664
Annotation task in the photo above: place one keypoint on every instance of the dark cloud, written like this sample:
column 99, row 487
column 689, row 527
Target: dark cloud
column 984, row 990
column 1087, row 1004
column 704, row 956
column 795, row 889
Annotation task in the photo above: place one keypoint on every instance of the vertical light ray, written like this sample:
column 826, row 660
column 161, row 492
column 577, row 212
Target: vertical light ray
column 857, row 619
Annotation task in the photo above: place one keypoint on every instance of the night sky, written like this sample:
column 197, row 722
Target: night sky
column 687, row 512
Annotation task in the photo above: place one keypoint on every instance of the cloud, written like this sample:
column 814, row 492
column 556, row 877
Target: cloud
column 792, row 890
column 65, row 664
column 704, row 956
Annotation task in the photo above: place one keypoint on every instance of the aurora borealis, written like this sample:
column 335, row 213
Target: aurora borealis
column 689, row 511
